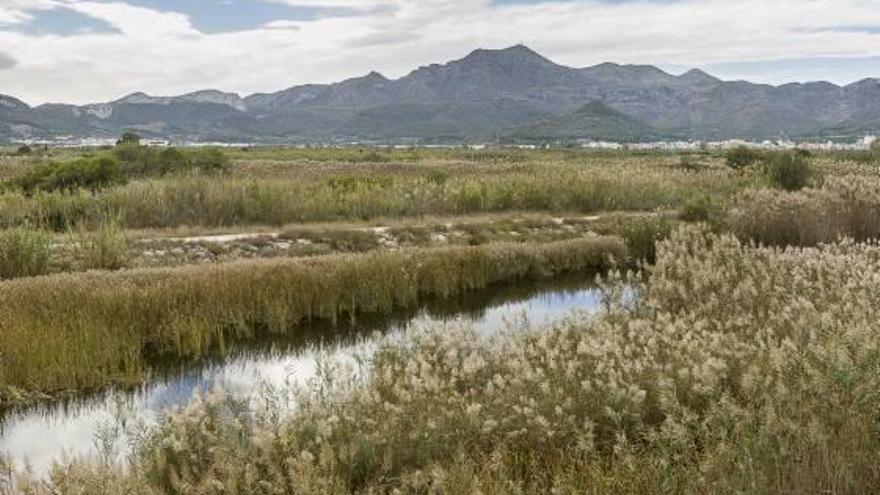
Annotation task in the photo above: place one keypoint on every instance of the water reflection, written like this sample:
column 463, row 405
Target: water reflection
column 44, row 434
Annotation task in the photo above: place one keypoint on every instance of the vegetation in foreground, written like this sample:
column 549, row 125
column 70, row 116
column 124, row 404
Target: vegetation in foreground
column 739, row 369
column 76, row 332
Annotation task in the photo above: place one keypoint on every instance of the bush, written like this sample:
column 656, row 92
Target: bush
column 208, row 160
column 84, row 173
column 790, row 171
column 642, row 234
column 700, row 208
column 141, row 161
column 24, row 252
column 741, row 157
column 23, row 150
column 438, row 177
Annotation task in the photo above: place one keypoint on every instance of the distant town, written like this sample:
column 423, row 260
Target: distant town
column 781, row 144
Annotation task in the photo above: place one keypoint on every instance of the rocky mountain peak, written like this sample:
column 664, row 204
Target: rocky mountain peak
column 10, row 103
column 515, row 55
column 135, row 98
column 698, row 76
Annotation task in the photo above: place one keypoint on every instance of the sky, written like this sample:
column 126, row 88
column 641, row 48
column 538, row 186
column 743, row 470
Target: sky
column 84, row 51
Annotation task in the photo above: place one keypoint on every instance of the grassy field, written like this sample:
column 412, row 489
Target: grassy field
column 740, row 358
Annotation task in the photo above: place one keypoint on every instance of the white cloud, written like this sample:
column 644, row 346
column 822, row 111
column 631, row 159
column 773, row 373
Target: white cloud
column 162, row 53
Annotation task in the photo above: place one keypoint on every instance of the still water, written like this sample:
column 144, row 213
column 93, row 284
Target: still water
column 39, row 436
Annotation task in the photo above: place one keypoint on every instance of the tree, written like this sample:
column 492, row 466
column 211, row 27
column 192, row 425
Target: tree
column 23, row 150
column 129, row 139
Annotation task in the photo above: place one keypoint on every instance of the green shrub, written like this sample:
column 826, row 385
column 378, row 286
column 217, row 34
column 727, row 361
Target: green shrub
column 438, row 177
column 207, row 160
column 741, row 157
column 700, row 208
column 24, row 252
column 23, row 150
column 790, row 171
column 641, row 234
column 142, row 161
column 83, row 173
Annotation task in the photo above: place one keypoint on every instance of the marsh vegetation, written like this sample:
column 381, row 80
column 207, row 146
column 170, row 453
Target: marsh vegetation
column 735, row 351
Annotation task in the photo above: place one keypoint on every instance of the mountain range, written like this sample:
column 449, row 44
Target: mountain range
column 513, row 93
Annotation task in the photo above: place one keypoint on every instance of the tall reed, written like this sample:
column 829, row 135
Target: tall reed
column 83, row 331
column 24, row 252
column 228, row 201
column 845, row 206
column 105, row 248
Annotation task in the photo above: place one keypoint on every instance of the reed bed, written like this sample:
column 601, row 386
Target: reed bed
column 24, row 252
column 84, row 331
column 844, row 206
column 361, row 195
column 738, row 370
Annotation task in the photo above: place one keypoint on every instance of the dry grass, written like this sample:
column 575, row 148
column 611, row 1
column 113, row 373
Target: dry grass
column 845, row 206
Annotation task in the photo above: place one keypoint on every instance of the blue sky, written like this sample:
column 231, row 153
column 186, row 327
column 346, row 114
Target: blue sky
column 217, row 16
column 174, row 46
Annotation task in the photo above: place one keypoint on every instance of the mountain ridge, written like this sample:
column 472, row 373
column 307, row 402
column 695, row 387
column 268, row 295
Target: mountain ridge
column 486, row 93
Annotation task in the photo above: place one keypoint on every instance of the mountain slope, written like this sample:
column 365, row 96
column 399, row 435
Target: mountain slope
column 513, row 91
column 595, row 120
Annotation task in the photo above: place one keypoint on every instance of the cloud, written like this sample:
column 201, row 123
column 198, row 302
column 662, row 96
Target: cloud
column 14, row 12
column 6, row 61
column 165, row 52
